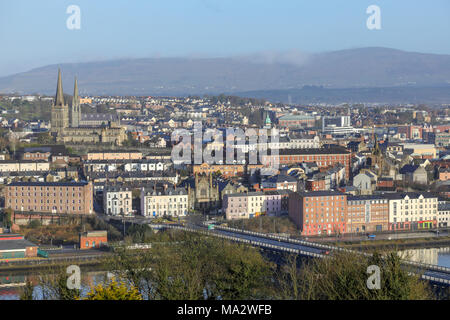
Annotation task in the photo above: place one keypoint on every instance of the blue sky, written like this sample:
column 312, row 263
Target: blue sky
column 34, row 33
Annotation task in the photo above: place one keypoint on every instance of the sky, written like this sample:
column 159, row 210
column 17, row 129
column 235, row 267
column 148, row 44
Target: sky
column 35, row 33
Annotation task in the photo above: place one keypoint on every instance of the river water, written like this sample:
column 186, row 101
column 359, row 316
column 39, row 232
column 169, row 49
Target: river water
column 10, row 282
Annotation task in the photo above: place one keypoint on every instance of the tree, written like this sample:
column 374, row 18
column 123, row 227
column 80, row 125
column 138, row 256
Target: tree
column 343, row 276
column 44, row 138
column 113, row 291
column 194, row 267
column 7, row 217
column 27, row 291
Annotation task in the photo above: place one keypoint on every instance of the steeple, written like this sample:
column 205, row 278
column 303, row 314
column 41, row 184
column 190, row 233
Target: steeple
column 75, row 111
column 75, row 99
column 59, row 100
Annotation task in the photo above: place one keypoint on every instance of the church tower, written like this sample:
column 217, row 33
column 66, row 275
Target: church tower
column 60, row 111
column 75, row 111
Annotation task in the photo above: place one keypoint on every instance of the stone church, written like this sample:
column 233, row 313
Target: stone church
column 205, row 195
column 65, row 122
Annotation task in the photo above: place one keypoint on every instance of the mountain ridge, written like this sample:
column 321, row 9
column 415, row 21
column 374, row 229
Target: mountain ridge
column 369, row 67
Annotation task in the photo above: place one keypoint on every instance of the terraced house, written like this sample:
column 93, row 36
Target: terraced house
column 172, row 202
column 117, row 201
column 412, row 211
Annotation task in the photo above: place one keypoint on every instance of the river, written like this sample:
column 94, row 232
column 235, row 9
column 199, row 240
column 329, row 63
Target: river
column 11, row 283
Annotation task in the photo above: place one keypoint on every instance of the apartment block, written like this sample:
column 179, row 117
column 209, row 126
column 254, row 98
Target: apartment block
column 412, row 210
column 319, row 212
column 367, row 213
column 50, row 197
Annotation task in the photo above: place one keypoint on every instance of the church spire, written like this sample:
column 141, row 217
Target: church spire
column 75, row 98
column 59, row 100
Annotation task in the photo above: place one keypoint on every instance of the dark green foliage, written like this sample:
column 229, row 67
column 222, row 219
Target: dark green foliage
column 193, row 267
column 27, row 292
column 139, row 233
column 344, row 276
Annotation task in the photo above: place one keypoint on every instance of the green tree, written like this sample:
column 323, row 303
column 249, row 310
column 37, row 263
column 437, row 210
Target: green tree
column 7, row 217
column 343, row 276
column 44, row 138
column 194, row 267
column 27, row 291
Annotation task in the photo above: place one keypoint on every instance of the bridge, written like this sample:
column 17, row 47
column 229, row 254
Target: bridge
column 432, row 273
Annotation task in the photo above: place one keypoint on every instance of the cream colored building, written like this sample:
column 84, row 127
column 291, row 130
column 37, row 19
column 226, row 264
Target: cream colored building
column 419, row 149
column 117, row 201
column 412, row 210
column 256, row 204
column 24, row 165
column 170, row 202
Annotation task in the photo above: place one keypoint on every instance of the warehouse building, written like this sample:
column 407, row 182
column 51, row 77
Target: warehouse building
column 16, row 246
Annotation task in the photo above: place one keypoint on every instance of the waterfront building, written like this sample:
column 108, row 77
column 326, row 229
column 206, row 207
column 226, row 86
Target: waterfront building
column 319, row 212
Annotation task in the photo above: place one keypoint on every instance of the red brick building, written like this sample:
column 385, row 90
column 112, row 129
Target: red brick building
column 93, row 239
column 367, row 213
column 51, row 197
column 325, row 157
column 315, row 184
column 385, row 182
column 319, row 212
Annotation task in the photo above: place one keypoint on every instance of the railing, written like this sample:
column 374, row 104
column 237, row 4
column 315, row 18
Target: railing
column 251, row 242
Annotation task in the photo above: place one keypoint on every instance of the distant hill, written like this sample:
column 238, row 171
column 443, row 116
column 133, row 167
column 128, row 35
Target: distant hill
column 353, row 68
column 416, row 95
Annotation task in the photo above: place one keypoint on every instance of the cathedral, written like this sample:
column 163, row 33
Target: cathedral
column 65, row 122
column 204, row 196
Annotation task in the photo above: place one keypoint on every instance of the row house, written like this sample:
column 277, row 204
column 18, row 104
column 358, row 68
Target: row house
column 412, row 211
column 443, row 214
column 173, row 202
column 113, row 155
column 252, row 204
column 23, row 165
column 117, row 201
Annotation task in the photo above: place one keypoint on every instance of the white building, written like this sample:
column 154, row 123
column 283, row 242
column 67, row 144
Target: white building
column 170, row 202
column 412, row 210
column 117, row 201
column 337, row 125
